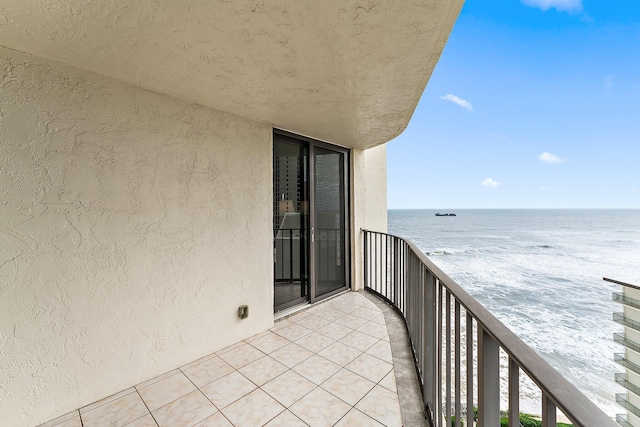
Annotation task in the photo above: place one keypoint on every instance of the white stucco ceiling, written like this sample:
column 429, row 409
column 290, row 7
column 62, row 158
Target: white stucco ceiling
column 346, row 71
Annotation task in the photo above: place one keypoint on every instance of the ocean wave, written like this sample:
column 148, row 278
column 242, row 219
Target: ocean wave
column 446, row 252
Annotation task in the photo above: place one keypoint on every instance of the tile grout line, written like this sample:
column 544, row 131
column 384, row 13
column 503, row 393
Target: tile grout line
column 146, row 406
column 318, row 386
column 206, row 397
column 351, row 407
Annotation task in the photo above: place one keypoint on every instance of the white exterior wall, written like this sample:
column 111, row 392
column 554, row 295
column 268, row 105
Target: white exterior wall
column 132, row 226
column 369, row 202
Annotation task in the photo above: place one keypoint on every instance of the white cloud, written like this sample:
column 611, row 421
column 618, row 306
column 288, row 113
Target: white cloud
column 489, row 182
column 559, row 5
column 461, row 102
column 549, row 158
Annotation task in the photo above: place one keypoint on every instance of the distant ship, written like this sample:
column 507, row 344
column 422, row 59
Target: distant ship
column 445, row 214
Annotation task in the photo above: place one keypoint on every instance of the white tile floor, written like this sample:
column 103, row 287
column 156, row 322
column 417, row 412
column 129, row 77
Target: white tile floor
column 328, row 365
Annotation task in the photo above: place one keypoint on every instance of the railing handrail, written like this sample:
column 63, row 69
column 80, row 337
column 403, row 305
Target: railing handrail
column 575, row 405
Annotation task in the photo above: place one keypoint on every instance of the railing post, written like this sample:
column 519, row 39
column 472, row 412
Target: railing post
column 469, row 326
column 396, row 270
column 439, row 289
column 376, row 255
column 548, row 412
column 457, row 364
column 385, row 263
column 366, row 259
column 514, row 394
column 488, row 380
column 402, row 286
column 430, row 346
column 448, row 358
column 291, row 255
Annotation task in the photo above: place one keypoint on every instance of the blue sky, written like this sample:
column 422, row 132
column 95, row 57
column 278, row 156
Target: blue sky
column 533, row 104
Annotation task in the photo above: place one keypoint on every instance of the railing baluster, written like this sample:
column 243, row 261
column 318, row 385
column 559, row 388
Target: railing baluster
column 411, row 290
column 403, row 280
column 422, row 326
column 488, row 380
column 448, row 359
column 548, row 412
column 396, row 271
column 386, row 266
column 470, row 374
column 375, row 261
column 407, row 308
column 514, row 394
column 406, row 277
column 439, row 352
column 457, row 364
column 291, row 255
column 430, row 348
column 366, row 260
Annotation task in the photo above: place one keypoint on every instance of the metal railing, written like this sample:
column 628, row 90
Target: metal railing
column 622, row 380
column 436, row 311
column 622, row 420
column 628, row 301
column 621, row 339
column 620, row 359
column 622, row 399
column 290, row 254
column 625, row 321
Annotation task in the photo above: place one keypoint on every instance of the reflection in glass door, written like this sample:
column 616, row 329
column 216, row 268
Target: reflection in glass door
column 310, row 244
column 329, row 221
column 290, row 222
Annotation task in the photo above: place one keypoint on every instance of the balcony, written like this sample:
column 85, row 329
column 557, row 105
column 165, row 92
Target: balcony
column 346, row 362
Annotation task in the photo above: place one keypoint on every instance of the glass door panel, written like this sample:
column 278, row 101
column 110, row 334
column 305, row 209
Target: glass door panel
column 329, row 221
column 290, row 222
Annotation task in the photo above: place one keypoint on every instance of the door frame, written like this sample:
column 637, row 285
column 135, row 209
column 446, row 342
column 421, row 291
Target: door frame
column 312, row 144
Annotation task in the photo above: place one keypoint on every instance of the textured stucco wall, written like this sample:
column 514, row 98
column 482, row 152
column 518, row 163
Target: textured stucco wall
column 375, row 183
column 368, row 201
column 132, row 226
column 348, row 71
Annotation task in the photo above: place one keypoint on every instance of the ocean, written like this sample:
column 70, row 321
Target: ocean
column 540, row 272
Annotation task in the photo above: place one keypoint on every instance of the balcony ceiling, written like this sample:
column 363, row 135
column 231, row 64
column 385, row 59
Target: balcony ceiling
column 346, row 71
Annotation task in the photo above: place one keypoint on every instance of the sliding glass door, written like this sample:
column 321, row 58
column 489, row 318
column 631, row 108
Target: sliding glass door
column 310, row 220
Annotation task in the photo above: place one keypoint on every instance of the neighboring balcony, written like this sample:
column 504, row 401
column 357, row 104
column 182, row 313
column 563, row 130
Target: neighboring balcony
column 630, row 359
